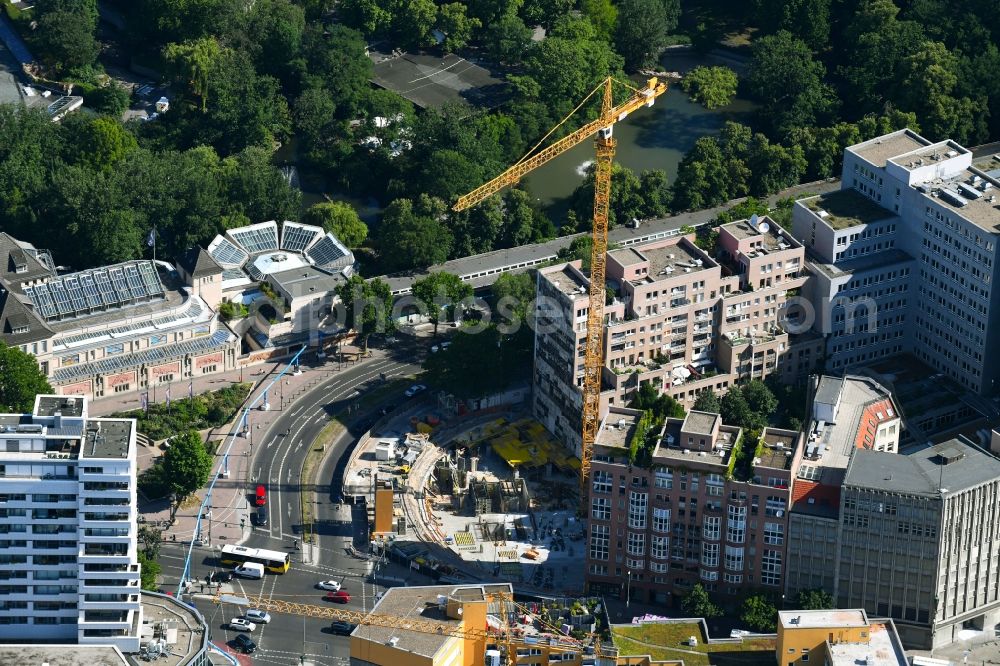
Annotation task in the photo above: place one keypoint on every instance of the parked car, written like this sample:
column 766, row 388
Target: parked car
column 261, row 517
column 329, row 585
column 342, row 628
column 221, row 577
column 340, row 596
column 244, row 644
column 241, row 624
column 258, row 616
column 413, row 390
column 260, row 498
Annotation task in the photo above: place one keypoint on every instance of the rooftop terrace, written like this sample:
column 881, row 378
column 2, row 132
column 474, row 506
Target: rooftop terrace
column 670, row 447
column 568, row 280
column 880, row 650
column 617, row 428
column 779, row 449
column 846, row 208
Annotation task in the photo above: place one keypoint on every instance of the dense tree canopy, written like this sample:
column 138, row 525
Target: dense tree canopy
column 20, row 380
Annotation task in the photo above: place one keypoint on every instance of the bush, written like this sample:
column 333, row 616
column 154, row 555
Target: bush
column 208, row 410
column 111, row 100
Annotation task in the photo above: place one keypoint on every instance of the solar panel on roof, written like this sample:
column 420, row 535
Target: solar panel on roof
column 59, row 297
column 90, row 290
column 40, row 297
column 295, row 238
column 256, row 239
column 72, row 285
column 226, row 253
column 106, row 289
column 118, row 282
column 150, row 278
column 326, row 251
column 134, row 281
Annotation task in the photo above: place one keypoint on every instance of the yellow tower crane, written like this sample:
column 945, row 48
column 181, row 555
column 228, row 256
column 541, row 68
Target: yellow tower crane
column 503, row 636
column 605, row 146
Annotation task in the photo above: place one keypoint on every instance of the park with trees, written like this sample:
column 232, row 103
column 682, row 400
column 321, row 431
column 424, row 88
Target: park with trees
column 248, row 79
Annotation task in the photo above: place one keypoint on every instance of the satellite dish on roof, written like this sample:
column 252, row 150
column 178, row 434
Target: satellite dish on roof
column 763, row 227
column 753, row 220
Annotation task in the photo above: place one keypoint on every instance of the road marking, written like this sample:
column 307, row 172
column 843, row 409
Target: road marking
column 289, row 509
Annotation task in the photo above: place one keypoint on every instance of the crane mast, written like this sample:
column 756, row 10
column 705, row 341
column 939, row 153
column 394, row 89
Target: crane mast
column 604, row 144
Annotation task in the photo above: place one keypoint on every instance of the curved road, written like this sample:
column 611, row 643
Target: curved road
column 277, row 458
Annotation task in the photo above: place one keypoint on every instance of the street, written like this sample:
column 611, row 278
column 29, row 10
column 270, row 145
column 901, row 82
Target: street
column 277, row 456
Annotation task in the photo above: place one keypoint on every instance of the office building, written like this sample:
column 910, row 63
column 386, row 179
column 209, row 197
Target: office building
column 919, row 539
column 68, row 525
column 837, row 638
column 848, row 413
column 703, row 505
column 677, row 317
column 116, row 329
column 904, row 257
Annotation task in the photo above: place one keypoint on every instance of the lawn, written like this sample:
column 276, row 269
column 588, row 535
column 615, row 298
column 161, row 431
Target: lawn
column 669, row 642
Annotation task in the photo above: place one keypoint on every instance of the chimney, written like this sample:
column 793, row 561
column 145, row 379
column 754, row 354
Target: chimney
column 57, row 419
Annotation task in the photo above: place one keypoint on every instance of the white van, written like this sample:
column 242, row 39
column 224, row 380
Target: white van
column 249, row 570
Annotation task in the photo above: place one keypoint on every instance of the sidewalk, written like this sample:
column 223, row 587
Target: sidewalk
column 221, row 524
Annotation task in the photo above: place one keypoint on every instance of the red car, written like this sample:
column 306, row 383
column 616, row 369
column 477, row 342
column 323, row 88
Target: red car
column 261, row 497
column 340, row 596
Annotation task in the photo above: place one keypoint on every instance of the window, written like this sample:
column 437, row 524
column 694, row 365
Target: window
column 775, row 506
column 602, row 481
column 159, row 339
column 71, row 359
column 664, row 478
column 710, row 554
column 637, row 503
column 602, row 508
column 774, row 533
column 734, row 558
column 660, row 547
column 661, row 520
column 736, row 527
column 733, row 578
column 111, row 350
column 636, row 543
column 771, row 567
column 600, row 536
column 712, row 528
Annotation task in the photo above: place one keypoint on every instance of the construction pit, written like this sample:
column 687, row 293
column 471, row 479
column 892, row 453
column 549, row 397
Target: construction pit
column 505, row 496
column 500, row 494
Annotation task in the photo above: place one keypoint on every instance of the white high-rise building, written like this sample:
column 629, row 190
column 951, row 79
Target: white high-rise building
column 68, row 527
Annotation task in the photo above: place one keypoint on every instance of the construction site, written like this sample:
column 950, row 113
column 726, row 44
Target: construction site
column 496, row 495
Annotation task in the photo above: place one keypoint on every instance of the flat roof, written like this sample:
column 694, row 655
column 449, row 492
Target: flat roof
column 276, row 262
column 937, row 470
column 837, row 440
column 989, row 164
column 430, row 81
column 880, row 650
column 420, row 603
column 568, row 280
column 111, row 439
column 817, row 619
column 924, row 155
column 878, row 150
column 672, row 260
column 628, row 256
column 779, row 450
column 307, row 280
column 878, row 260
column 976, row 208
column 700, row 422
column 62, row 655
column 192, row 630
column 670, row 449
column 617, row 428
column 47, row 405
column 773, row 237
column 846, row 208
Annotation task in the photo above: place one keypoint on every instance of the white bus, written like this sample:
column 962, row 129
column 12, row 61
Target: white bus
column 272, row 560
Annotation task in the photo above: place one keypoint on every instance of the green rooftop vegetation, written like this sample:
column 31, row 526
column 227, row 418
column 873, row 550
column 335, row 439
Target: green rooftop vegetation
column 847, row 208
column 670, row 642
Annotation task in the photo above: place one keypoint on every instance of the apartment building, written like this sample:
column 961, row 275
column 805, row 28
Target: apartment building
column 919, row 539
column 703, row 505
column 848, row 413
column 837, row 638
column 677, row 317
column 115, row 329
column 68, row 527
column 912, row 236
